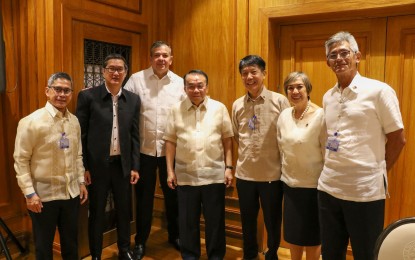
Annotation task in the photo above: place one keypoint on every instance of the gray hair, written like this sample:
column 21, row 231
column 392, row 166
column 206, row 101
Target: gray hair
column 59, row 75
column 158, row 44
column 341, row 37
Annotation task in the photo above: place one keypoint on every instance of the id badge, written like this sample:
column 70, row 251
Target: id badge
column 332, row 143
column 63, row 142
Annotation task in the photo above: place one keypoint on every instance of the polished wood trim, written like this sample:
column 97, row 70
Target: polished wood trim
column 129, row 5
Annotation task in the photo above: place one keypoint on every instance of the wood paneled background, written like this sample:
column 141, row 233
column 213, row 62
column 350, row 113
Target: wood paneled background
column 44, row 36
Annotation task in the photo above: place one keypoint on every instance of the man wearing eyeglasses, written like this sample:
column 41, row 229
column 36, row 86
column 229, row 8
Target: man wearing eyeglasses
column 49, row 170
column 258, row 169
column 365, row 138
column 159, row 89
column 108, row 116
column 199, row 164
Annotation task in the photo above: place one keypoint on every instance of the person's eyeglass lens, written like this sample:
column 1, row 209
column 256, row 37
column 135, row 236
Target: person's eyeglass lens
column 113, row 70
column 343, row 54
column 60, row 90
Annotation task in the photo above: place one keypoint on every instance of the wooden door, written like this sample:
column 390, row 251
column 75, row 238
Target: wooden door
column 400, row 74
column 302, row 49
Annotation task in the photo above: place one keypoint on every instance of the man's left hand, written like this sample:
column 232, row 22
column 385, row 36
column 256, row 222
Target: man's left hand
column 134, row 177
column 228, row 177
column 83, row 193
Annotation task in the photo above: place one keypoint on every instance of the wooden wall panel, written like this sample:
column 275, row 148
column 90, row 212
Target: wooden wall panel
column 38, row 42
column 12, row 209
column 212, row 35
column 400, row 74
column 204, row 37
column 132, row 6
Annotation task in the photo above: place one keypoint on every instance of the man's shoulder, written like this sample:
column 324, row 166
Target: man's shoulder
column 273, row 94
column 91, row 91
column 239, row 100
column 141, row 73
column 130, row 94
column 215, row 103
column 372, row 87
column 276, row 99
column 373, row 83
column 37, row 113
column 35, row 116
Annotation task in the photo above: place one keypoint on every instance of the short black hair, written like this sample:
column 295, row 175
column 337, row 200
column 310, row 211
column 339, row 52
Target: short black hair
column 252, row 60
column 200, row 72
column 115, row 56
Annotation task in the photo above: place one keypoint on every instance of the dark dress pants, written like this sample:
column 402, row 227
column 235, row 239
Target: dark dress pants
column 340, row 220
column 102, row 183
column 192, row 201
column 64, row 215
column 144, row 190
column 268, row 196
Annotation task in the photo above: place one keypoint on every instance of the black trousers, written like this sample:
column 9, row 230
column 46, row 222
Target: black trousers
column 144, row 190
column 340, row 220
column 102, row 183
column 192, row 201
column 64, row 215
column 268, row 195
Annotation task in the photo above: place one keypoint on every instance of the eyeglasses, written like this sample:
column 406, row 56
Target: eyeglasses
column 120, row 70
column 60, row 90
column 344, row 54
column 199, row 87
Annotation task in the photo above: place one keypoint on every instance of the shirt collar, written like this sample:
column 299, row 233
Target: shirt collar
column 354, row 86
column 118, row 94
column 263, row 95
column 54, row 112
column 189, row 104
column 151, row 74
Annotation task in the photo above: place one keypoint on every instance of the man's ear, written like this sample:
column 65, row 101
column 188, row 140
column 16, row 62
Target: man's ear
column 47, row 91
column 358, row 56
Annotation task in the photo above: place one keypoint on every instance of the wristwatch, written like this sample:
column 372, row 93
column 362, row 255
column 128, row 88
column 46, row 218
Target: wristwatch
column 28, row 196
column 229, row 167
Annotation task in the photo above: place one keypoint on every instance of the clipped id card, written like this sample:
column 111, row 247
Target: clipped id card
column 63, row 142
column 332, row 143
